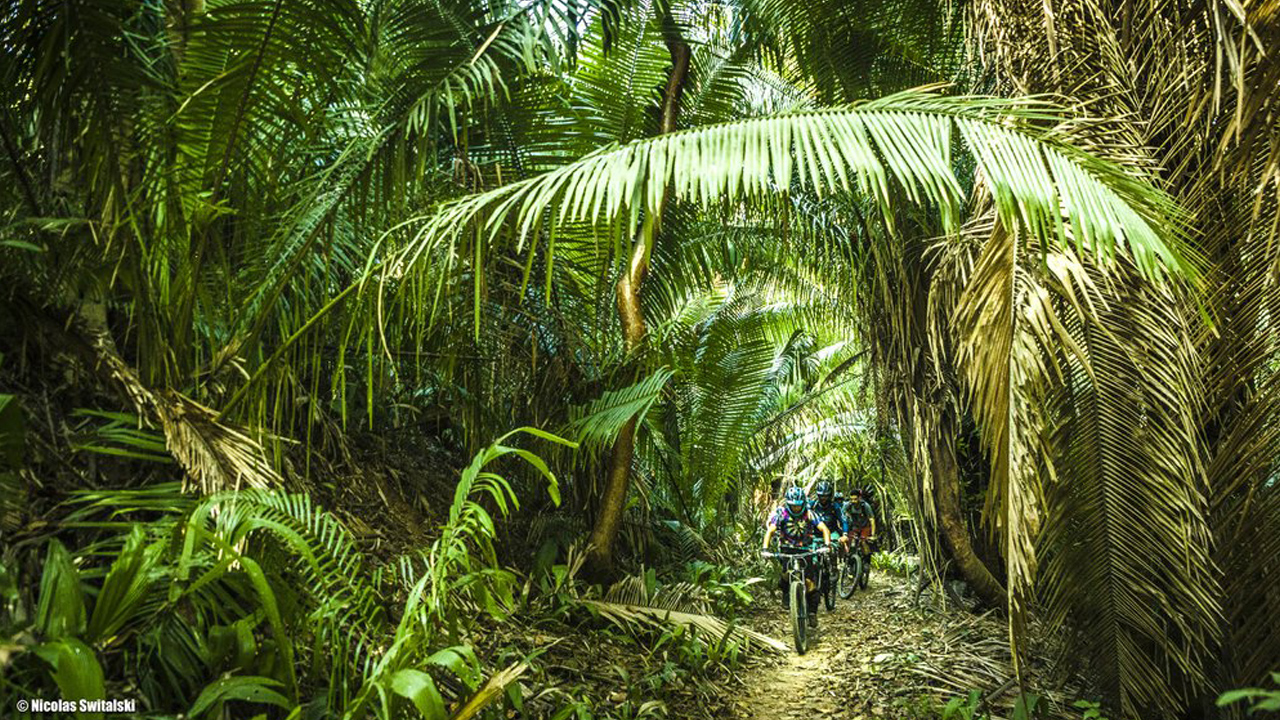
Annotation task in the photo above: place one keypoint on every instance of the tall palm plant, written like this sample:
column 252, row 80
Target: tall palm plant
column 1192, row 90
column 196, row 186
column 894, row 150
column 256, row 217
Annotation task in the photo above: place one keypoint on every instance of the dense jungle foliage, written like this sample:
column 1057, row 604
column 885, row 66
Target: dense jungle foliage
column 356, row 354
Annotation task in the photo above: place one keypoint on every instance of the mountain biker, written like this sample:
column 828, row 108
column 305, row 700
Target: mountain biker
column 796, row 529
column 825, row 509
column 858, row 518
column 869, row 497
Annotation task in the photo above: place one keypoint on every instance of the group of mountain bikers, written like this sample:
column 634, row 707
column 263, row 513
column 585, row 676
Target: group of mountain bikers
column 799, row 523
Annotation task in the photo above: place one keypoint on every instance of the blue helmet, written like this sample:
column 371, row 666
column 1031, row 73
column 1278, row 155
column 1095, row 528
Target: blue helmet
column 795, row 500
column 824, row 492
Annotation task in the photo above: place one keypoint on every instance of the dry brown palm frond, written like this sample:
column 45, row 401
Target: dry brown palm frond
column 1175, row 433
column 1044, row 342
column 491, row 691
column 215, row 455
column 1128, row 547
column 637, row 600
column 1008, row 333
column 971, row 655
column 1242, row 431
column 640, row 589
column 710, row 627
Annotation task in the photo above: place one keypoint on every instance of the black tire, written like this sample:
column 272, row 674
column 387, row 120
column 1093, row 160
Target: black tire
column 865, row 576
column 859, row 567
column 828, row 585
column 848, row 578
column 799, row 616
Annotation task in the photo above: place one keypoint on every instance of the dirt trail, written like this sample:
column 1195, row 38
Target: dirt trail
column 810, row 685
column 864, row 663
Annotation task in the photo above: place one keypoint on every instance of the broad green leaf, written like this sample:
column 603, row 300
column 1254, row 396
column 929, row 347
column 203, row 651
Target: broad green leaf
column 12, row 429
column 75, row 670
column 248, row 688
column 60, row 611
column 420, row 689
column 1234, row 696
column 125, row 586
column 21, row 245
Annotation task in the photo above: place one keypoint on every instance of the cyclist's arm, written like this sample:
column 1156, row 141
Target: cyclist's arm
column 768, row 535
column 826, row 534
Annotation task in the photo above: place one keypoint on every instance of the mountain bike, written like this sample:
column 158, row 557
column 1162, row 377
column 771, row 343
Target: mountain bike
column 794, row 564
column 828, row 571
column 855, row 571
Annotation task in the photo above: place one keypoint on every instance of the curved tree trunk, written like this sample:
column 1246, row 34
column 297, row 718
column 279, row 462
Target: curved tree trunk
column 946, row 483
column 600, row 560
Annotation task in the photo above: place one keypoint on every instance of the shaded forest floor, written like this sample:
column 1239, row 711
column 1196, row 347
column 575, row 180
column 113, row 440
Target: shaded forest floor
column 856, row 661
column 880, row 656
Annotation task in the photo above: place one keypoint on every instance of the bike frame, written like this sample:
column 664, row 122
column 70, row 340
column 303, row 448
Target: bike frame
column 797, row 590
column 857, row 557
column 864, row 547
column 861, row 545
column 794, row 561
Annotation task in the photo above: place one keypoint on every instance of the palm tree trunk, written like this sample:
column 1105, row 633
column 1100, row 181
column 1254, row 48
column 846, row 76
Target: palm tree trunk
column 600, row 561
column 946, row 483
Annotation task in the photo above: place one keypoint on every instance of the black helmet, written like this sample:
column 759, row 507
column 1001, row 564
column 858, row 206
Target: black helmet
column 795, row 500
column 823, row 491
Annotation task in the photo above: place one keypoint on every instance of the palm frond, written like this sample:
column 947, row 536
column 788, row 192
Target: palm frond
column 1010, row 337
column 596, row 424
column 1040, row 183
column 711, row 628
column 1132, row 506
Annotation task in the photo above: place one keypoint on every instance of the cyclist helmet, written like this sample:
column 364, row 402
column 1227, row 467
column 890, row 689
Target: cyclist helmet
column 795, row 500
column 824, row 492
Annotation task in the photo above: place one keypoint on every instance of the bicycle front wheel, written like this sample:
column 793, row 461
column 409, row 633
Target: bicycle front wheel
column 799, row 616
column 848, row 578
column 829, row 585
column 865, row 576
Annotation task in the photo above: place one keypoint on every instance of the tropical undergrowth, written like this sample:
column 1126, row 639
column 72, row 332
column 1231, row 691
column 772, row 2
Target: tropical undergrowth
column 263, row 601
column 256, row 599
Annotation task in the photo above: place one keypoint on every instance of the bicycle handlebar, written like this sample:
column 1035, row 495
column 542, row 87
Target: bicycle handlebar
column 815, row 551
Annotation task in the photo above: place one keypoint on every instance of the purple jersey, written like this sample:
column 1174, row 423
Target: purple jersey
column 794, row 530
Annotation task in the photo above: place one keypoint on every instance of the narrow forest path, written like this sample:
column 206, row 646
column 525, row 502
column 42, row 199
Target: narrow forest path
column 874, row 657
column 816, row 684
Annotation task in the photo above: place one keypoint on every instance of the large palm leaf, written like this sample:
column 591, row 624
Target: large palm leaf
column 1191, row 86
column 902, row 143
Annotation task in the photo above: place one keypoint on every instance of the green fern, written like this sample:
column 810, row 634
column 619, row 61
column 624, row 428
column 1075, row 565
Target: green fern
column 596, row 424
